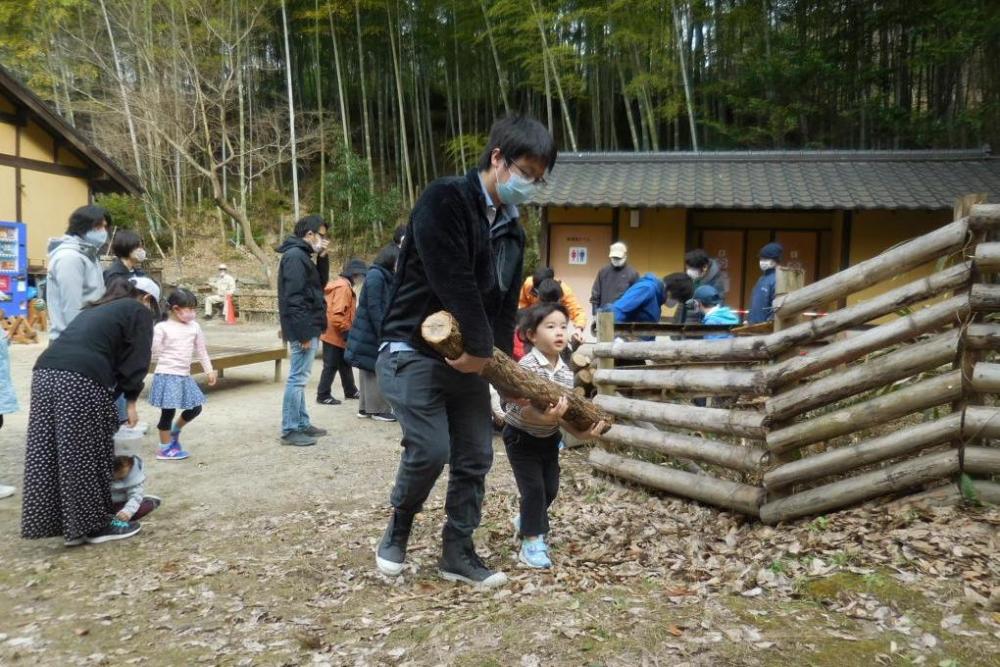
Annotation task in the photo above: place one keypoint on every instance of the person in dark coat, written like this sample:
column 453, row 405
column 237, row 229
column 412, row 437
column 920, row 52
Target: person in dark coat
column 613, row 279
column 704, row 270
column 762, row 297
column 463, row 252
column 363, row 341
column 302, row 311
column 129, row 254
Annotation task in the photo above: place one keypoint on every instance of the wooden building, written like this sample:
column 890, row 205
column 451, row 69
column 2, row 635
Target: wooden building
column 47, row 168
column 830, row 209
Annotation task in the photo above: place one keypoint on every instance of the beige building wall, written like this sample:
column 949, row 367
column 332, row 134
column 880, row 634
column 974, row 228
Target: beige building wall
column 46, row 204
column 8, row 138
column 36, row 143
column 8, row 204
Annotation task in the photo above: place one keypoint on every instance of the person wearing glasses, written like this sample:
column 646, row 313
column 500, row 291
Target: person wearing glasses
column 302, row 311
column 463, row 253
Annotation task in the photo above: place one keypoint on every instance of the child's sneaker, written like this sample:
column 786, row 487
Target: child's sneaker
column 115, row 530
column 535, row 553
column 172, row 452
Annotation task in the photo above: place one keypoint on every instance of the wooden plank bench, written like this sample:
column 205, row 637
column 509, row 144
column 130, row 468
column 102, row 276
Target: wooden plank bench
column 224, row 357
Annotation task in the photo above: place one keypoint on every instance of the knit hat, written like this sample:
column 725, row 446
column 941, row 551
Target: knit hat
column 618, row 251
column 147, row 285
column 772, row 251
column 707, row 295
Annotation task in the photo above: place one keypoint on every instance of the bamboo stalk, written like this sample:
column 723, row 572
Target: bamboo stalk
column 982, row 336
column 898, row 477
column 985, row 298
column 987, row 257
column 722, row 493
column 890, row 263
column 679, row 445
column 708, row 381
column 894, row 366
column 982, row 460
column 855, row 347
column 836, row 461
column 771, row 345
column 936, row 391
column 739, row 423
column 986, row 378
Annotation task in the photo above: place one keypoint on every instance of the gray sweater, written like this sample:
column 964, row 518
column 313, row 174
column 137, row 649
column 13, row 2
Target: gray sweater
column 130, row 490
column 75, row 277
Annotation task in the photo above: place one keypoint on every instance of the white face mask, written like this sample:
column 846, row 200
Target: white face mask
column 618, row 262
column 766, row 264
column 693, row 274
column 139, row 255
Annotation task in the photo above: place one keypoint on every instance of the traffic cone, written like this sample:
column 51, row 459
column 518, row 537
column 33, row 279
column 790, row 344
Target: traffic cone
column 230, row 310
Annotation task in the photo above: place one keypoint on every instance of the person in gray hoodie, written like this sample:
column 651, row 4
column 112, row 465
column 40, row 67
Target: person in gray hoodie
column 128, row 495
column 75, row 276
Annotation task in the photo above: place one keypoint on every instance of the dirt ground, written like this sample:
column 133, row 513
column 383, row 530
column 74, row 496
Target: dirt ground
column 262, row 555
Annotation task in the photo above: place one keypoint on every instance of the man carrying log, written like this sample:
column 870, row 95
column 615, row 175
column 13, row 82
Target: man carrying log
column 463, row 252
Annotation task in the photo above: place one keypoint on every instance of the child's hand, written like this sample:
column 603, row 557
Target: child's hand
column 123, row 516
column 213, row 377
column 557, row 411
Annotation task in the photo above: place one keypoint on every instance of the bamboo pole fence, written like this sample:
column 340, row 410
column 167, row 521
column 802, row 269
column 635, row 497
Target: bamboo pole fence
column 821, row 414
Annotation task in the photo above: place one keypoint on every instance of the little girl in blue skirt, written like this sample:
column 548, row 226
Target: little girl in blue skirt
column 175, row 342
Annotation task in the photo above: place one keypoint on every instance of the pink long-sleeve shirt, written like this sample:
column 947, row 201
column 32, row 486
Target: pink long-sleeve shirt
column 175, row 343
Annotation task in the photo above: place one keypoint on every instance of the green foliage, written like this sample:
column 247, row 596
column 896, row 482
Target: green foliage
column 468, row 145
column 126, row 211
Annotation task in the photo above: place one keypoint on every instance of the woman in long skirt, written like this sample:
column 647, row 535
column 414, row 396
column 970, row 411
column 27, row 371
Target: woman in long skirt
column 105, row 351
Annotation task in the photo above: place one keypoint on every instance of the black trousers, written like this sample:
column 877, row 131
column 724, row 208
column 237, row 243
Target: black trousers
column 167, row 417
column 333, row 363
column 535, row 462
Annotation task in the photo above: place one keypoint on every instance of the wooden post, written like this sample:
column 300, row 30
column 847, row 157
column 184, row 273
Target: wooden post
column 605, row 334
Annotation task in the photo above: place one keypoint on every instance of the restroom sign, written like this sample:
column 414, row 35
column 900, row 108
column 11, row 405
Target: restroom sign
column 578, row 255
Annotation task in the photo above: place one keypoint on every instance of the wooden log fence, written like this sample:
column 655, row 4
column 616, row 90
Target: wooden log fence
column 771, row 440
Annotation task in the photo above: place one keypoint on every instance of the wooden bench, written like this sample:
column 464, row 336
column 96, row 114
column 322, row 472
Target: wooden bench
column 224, row 357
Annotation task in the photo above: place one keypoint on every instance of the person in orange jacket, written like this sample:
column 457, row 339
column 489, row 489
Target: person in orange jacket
column 529, row 297
column 341, row 304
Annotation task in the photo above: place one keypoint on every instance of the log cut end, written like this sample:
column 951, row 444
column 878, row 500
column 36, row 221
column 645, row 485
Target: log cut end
column 441, row 332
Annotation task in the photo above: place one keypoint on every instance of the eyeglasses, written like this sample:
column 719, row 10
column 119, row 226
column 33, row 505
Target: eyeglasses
column 540, row 181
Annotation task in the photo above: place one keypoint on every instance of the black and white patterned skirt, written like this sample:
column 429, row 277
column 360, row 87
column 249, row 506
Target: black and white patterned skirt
column 69, row 457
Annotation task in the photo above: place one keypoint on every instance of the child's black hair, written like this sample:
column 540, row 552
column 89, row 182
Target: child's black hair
column 697, row 259
column 541, row 274
column 123, row 464
column 549, row 291
column 529, row 319
column 182, row 298
column 124, row 243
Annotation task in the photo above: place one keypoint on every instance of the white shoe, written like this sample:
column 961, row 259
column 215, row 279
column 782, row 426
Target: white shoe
column 141, row 426
column 6, row 490
column 126, row 432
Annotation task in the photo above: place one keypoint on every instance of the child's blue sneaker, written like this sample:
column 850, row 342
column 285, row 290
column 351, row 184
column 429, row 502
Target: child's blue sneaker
column 172, row 452
column 535, row 553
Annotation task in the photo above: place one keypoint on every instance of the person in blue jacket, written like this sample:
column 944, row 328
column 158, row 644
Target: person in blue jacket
column 641, row 302
column 762, row 297
column 713, row 311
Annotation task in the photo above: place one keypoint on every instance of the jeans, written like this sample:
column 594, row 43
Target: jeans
column 333, row 362
column 293, row 407
column 122, row 410
column 445, row 418
column 535, row 463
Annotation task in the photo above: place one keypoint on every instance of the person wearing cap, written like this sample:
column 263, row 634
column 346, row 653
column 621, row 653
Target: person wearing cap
column 103, row 352
column 224, row 285
column 341, row 306
column 613, row 278
column 762, row 297
column 713, row 310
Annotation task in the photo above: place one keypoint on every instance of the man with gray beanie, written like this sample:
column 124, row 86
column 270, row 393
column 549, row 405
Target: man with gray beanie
column 762, row 298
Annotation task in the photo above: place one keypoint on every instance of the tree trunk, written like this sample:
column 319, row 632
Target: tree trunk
column 501, row 78
column 684, row 74
column 441, row 332
column 362, row 77
column 291, row 114
column 403, row 142
column 319, row 109
column 547, row 56
column 737, row 423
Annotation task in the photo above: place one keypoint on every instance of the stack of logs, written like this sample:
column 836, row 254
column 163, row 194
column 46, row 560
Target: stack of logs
column 791, row 430
column 582, row 362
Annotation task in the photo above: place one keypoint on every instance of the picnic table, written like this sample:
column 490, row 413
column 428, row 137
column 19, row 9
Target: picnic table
column 230, row 356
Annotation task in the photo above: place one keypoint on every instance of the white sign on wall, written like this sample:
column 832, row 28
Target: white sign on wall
column 578, row 255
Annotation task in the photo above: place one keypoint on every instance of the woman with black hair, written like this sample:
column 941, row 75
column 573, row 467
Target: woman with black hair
column 129, row 254
column 69, row 455
column 75, row 275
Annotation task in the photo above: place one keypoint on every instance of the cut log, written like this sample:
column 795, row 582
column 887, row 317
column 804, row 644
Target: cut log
column 986, row 378
column 697, row 380
column 898, row 477
column 893, row 445
column 987, row 257
column 845, row 351
column 890, row 263
column 584, row 377
column 580, row 391
column 772, row 345
column 880, row 410
column 987, row 493
column 981, row 422
column 441, row 332
column 721, row 493
column 740, row 423
column 982, row 461
column 982, row 336
column 985, row 216
column 985, row 298
column 581, row 360
column 679, row 445
column 901, row 363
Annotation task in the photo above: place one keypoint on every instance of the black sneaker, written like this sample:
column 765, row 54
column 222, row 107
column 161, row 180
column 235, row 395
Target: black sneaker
column 115, row 530
column 460, row 562
column 353, row 397
column 329, row 400
column 298, row 439
column 391, row 551
column 314, row 431
column 384, row 417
